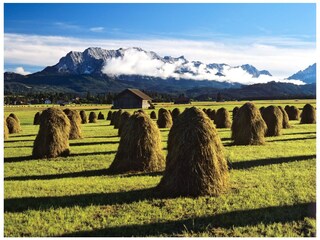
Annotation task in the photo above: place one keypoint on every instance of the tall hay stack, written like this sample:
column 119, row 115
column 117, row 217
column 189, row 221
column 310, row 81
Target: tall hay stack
column 285, row 118
column 294, row 113
column 195, row 163
column 83, row 116
column 140, row 147
column 15, row 117
column 75, row 123
column 153, row 115
column 164, row 119
column 261, row 110
column 287, row 109
column 123, row 119
column 13, row 125
column 92, row 117
column 175, row 113
column 272, row 116
column 100, row 116
column 212, row 114
column 53, row 136
column 109, row 115
column 248, row 128
column 113, row 117
column 36, row 119
column 234, row 112
column 117, row 118
column 308, row 114
column 5, row 129
column 222, row 118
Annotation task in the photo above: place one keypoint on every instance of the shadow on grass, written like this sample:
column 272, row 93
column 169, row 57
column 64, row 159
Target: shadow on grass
column 268, row 161
column 19, row 159
column 26, row 135
column 102, row 136
column 268, row 215
column 15, row 141
column 93, row 143
column 299, row 133
column 92, row 153
column 82, row 200
column 291, row 139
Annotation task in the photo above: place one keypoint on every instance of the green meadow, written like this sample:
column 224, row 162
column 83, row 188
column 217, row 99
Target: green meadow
column 272, row 187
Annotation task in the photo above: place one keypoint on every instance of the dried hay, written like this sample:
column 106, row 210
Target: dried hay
column 75, row 123
column 195, row 163
column 53, row 136
column 248, row 128
column 272, row 116
column 140, row 147
column 222, row 118
column 308, row 114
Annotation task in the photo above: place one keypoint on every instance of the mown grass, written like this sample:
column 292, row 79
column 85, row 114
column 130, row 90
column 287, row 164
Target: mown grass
column 272, row 190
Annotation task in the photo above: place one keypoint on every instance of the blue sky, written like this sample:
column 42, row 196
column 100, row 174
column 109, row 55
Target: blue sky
column 226, row 27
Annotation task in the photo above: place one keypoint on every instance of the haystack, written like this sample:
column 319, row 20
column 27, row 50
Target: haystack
column 212, row 114
column 272, row 116
column 248, row 128
column 153, row 115
column 234, row 112
column 100, row 116
column 123, row 119
column 308, row 114
column 140, row 147
column 109, row 115
column 175, row 113
column 287, row 109
column 117, row 119
column 36, row 119
column 5, row 129
column 92, row 117
column 285, row 118
column 294, row 113
column 164, row 119
column 113, row 116
column 75, row 123
column 15, row 117
column 222, row 118
column 195, row 163
column 53, row 136
column 261, row 110
column 140, row 111
column 83, row 116
column 13, row 125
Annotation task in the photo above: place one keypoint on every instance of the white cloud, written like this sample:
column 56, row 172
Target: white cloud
column 97, row 29
column 281, row 56
column 20, row 70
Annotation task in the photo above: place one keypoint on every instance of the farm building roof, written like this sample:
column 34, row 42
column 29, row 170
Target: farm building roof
column 136, row 92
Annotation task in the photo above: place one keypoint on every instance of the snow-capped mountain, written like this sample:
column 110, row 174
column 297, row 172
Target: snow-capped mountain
column 136, row 61
column 307, row 75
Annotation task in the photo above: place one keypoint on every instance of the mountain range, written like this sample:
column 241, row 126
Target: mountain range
column 98, row 70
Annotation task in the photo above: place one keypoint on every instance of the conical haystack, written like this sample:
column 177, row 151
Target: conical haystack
column 272, row 116
column 113, row 117
column 285, row 118
column 84, row 118
column 248, row 128
column 123, row 119
column 212, row 114
column 15, row 117
column 109, row 115
column 100, row 116
column 153, row 115
column 308, row 114
column 261, row 110
column 222, row 118
column 294, row 113
column 53, row 136
column 92, row 117
column 75, row 123
column 117, row 118
column 195, row 163
column 164, row 119
column 175, row 113
column 234, row 112
column 140, row 147
column 13, row 125
column 36, row 119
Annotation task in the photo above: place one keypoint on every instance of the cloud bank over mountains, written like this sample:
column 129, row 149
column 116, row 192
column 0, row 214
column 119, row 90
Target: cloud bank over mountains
column 281, row 56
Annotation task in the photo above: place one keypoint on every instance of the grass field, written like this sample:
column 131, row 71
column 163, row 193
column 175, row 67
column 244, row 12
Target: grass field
column 272, row 192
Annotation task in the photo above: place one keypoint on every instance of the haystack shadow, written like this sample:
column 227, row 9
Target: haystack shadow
column 267, row 215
